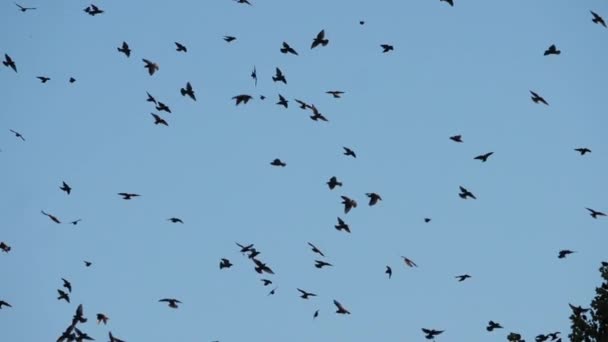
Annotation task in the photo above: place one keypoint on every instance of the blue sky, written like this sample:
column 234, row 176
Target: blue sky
column 463, row 70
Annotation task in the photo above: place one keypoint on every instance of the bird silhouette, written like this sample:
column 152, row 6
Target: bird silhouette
column 564, row 253
column 114, row 339
column 72, row 80
column 493, row 325
column 431, row 333
column 225, row 263
column 261, row 267
column 158, row 120
column 172, row 302
column 320, row 264
column 349, row 152
column 75, row 222
column 319, row 40
column 243, row 2
column 65, row 187
column 582, row 150
column 82, row 336
column 4, row 303
column 578, row 310
column 175, row 220
column 266, row 282
column 427, row 219
column 128, row 196
column 342, row 226
column 5, row 247
column 188, row 91
column 125, row 49
column 595, row 213
column 598, row 19
column 341, row 309
column 335, row 93
column 161, row 107
column 316, row 115
column 348, row 204
column 17, row 134
column 462, row 277
column 63, row 295
column 242, row 99
column 456, row 138
column 52, row 217
column 254, row 75
column 278, row 162
column 245, row 249
column 305, row 294
column 288, row 49
column 537, row 98
column 151, row 99
column 9, row 63
column 151, row 66
column 180, row 47
column 484, row 157
column 273, row 291
column 282, row 101
column 409, row 262
column 464, row 193
column 87, row 263
column 373, row 198
column 552, row 50
column 43, row 79
column 303, row 104
column 229, row 39
column 24, row 9
column 450, row 2
column 315, row 249
column 67, row 285
column 386, row 48
column 389, row 271
column 278, row 76
column 316, row 314
column 93, row 10
column 333, row 182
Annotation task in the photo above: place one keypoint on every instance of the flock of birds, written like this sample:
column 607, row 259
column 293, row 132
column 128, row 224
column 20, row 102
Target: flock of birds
column 74, row 333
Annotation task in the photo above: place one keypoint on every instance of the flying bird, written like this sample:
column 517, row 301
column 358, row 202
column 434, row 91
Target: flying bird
column 24, row 9
column 261, row 267
column 316, row 115
column 341, row 309
column 348, row 204
column 161, row 107
column 484, row 157
column 462, row 277
column 386, row 48
column 537, row 98
column 75, row 222
column 349, row 152
column 180, row 47
column 175, row 220
column 409, row 262
column 102, row 318
column 456, row 138
column 151, row 99
column 63, row 295
column 595, row 213
column 126, row 50
column 225, row 263
column 188, row 91
column 17, row 134
column 564, row 253
column 582, row 150
column 254, row 75
column 427, row 219
column 279, row 77
column 320, row 264
column 273, row 291
column 151, row 66
column 315, row 249
column 228, row 39
column 333, row 182
column 158, row 120
column 451, row 2
column 242, row 98
column 319, row 40
column 342, row 225
column 282, row 101
column 4, row 247
column 431, row 333
column 278, row 162
column 288, row 49
column 373, row 198
column 53, row 218
column 65, row 187
column 578, row 310
column 266, row 282
column 493, row 325
column 87, row 263
column 243, row 2
column 79, row 316
column 316, row 314
column 245, row 249
column 389, row 271
column 464, row 193
column 3, row 303
column 303, row 104
column 9, row 63
column 552, row 50
column 172, row 302
column 93, row 10
column 128, row 196
column 305, row 294
column 81, row 336
column 67, row 285
column 597, row 19
column 114, row 339
column 335, row 93
column 72, row 80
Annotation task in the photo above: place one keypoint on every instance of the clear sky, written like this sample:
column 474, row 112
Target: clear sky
column 465, row 70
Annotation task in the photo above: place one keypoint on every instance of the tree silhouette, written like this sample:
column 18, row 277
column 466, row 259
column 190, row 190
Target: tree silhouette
column 591, row 324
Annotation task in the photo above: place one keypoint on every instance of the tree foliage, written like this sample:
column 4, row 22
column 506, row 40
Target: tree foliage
column 591, row 324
